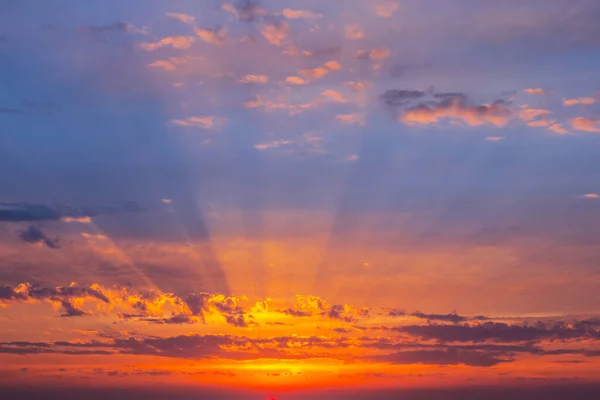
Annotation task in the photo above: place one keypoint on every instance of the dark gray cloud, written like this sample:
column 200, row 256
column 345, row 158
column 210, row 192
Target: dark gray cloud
column 443, row 357
column 25, row 212
column 440, row 317
column 34, row 235
column 496, row 332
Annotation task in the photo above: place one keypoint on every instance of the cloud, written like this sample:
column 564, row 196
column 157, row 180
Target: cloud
column 536, row 91
column 275, row 33
column 586, row 124
column 205, row 122
column 353, row 32
column 442, row 357
column 314, row 73
column 351, row 119
column 245, row 10
column 298, row 14
column 214, row 36
column 386, row 8
column 333, row 65
column 79, row 220
column 558, row 128
column 250, row 78
column 529, row 114
column 579, row 101
column 185, row 18
column 440, row 317
column 33, row 235
column 177, row 42
column 295, row 80
column 495, row 332
column 591, row 196
column 26, row 212
column 273, row 144
column 445, row 106
column 169, row 64
column 494, row 138
column 377, row 54
column 333, row 95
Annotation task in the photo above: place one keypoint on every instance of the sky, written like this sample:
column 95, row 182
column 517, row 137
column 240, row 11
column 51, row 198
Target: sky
column 291, row 199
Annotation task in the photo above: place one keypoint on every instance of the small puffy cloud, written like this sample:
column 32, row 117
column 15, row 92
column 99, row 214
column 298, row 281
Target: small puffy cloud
column 579, row 101
column 357, row 86
column 33, row 235
column 273, row 144
column 353, row 32
column 351, row 119
column 333, row 95
column 529, row 114
column 294, row 80
column 205, row 122
column 250, row 78
column 169, row 64
column 185, row 18
column 333, row 65
column 299, row 14
column 214, row 36
column 558, row 128
column 275, row 33
column 386, row 8
column 177, row 42
column 586, row 124
column 536, row 91
column 380, row 53
column 314, row 73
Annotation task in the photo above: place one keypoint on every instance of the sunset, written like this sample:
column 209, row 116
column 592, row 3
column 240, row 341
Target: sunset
column 299, row 199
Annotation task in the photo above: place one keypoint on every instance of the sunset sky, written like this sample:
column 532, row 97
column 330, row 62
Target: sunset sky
column 299, row 199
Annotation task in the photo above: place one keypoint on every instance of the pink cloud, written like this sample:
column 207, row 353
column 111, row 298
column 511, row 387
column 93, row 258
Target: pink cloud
column 353, row 32
column 351, row 119
column 386, row 8
column 177, row 42
column 275, row 33
column 586, row 124
column 579, row 101
column 185, row 18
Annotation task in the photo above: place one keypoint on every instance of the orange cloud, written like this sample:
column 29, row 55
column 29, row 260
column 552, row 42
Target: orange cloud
column 353, row 32
column 591, row 196
column 557, row 128
column 579, row 100
column 357, row 86
column 169, row 64
column 80, row 220
column 275, row 33
column 540, row 123
column 298, row 14
column 216, row 37
column 537, row 91
column 586, row 124
column 493, row 114
column 294, row 80
column 254, row 79
column 185, row 18
column 177, row 42
column 529, row 114
column 375, row 54
column 314, row 73
column 333, row 95
column 333, row 65
column 494, row 138
column 273, row 144
column 205, row 122
column 351, row 119
column 386, row 8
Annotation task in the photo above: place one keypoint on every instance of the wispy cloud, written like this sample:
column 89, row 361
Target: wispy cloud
column 177, row 42
column 386, row 8
column 205, row 122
